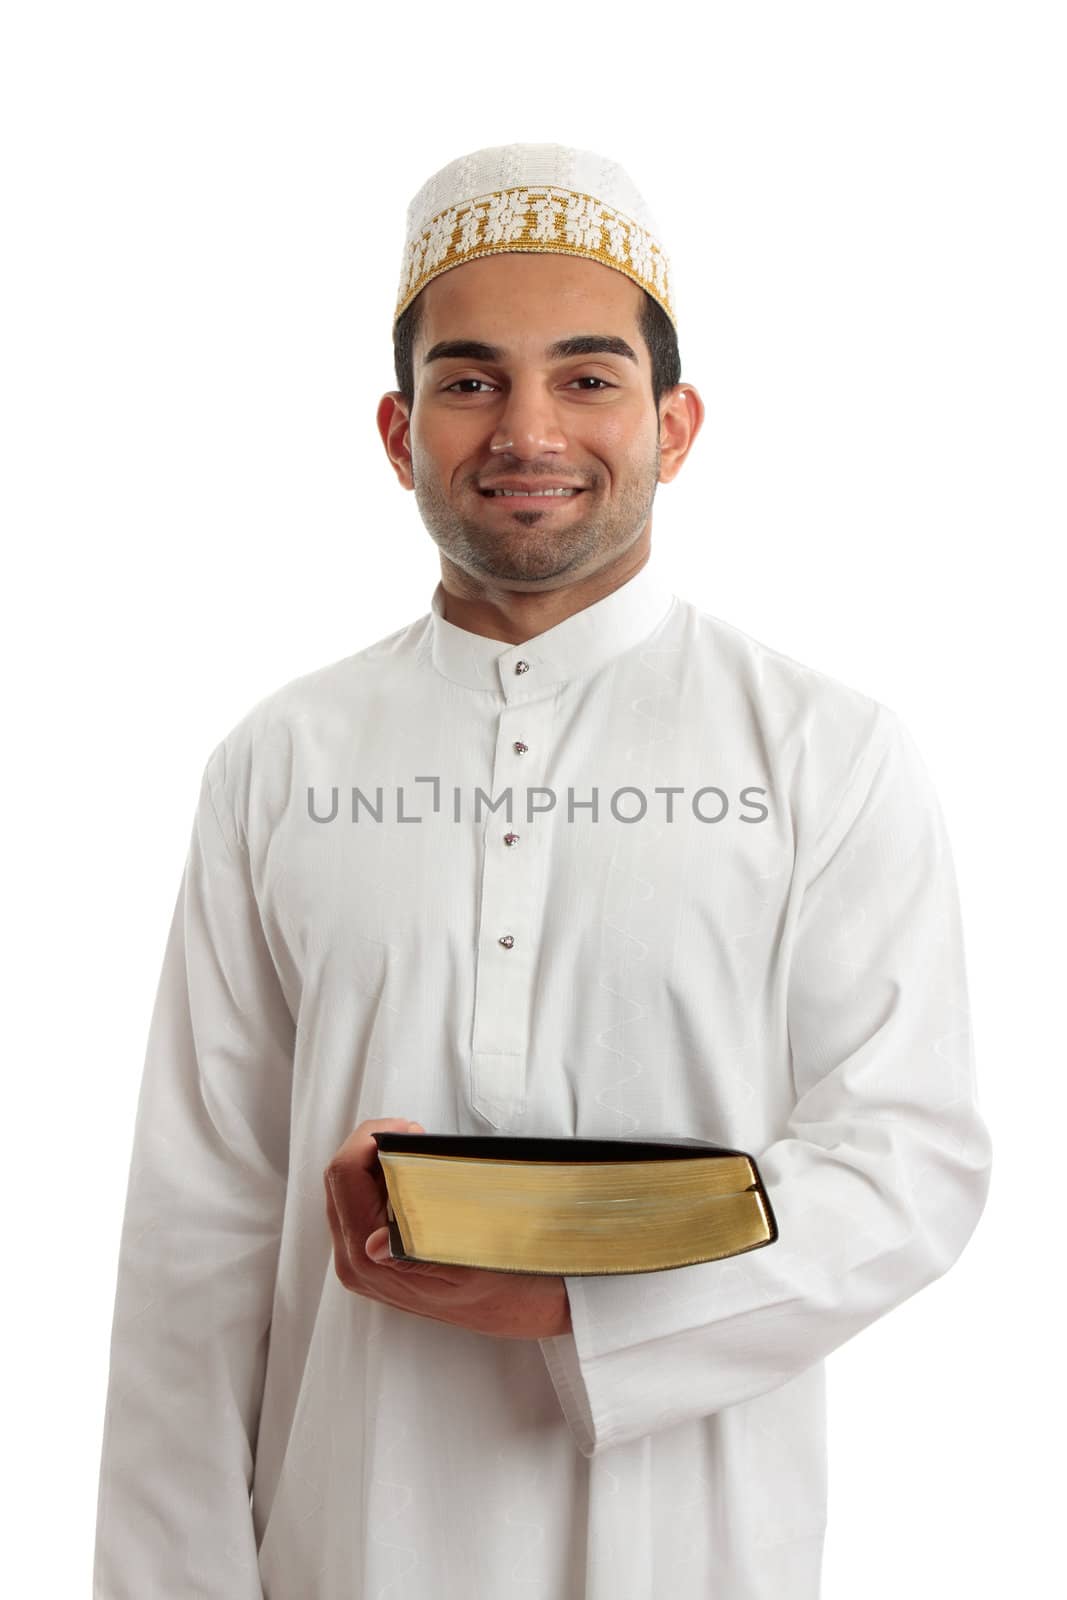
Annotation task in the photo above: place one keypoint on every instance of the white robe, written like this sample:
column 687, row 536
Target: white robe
column 789, row 983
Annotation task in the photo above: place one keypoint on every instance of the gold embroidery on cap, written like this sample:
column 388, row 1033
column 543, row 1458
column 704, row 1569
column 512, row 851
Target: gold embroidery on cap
column 529, row 218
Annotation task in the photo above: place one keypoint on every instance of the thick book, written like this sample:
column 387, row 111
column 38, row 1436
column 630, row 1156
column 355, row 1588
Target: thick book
column 580, row 1207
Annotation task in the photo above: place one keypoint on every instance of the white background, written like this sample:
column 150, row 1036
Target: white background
column 204, row 210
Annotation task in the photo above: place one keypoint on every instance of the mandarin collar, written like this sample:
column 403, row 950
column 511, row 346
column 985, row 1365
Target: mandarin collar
column 574, row 648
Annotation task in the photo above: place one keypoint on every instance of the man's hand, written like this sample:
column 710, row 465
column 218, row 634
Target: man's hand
column 507, row 1305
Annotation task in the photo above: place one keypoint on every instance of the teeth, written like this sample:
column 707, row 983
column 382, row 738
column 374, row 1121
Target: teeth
column 526, row 494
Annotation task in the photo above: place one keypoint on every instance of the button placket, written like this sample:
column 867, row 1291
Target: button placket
column 510, row 915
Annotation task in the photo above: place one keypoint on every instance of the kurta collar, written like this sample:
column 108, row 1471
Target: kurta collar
column 574, row 648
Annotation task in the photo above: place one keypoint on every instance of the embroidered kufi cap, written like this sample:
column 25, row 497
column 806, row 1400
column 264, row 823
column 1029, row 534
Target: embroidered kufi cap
column 532, row 197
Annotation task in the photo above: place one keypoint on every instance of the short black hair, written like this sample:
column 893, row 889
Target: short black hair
column 657, row 330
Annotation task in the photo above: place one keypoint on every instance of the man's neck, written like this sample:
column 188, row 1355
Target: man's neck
column 513, row 616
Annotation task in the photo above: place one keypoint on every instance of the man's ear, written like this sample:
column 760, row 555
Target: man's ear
column 681, row 415
column 394, row 417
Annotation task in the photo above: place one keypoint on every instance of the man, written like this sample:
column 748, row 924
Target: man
column 565, row 856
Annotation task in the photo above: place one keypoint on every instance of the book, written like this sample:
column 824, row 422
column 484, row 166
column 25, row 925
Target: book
column 580, row 1207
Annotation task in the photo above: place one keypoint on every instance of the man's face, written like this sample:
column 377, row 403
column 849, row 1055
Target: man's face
column 518, row 413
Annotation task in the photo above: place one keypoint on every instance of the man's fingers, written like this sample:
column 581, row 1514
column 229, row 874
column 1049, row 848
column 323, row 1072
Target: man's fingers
column 359, row 1149
column 355, row 1185
column 355, row 1174
column 342, row 1239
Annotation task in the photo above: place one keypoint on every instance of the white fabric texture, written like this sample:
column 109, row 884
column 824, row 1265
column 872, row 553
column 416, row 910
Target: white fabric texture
column 790, row 984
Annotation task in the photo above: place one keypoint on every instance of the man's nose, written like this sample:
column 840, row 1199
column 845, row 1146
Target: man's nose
column 529, row 424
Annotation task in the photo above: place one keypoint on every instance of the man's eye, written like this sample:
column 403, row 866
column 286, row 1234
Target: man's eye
column 481, row 383
column 458, row 381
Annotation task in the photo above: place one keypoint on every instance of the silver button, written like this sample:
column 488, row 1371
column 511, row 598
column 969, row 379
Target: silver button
column 511, row 838
column 506, row 940
column 522, row 666
column 519, row 748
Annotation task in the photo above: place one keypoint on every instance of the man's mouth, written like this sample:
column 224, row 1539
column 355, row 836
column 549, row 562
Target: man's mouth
column 530, row 494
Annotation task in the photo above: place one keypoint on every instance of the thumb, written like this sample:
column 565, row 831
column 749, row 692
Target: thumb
column 377, row 1248
column 377, row 1245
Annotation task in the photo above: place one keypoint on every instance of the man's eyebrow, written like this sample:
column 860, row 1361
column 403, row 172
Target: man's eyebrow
column 591, row 344
column 580, row 344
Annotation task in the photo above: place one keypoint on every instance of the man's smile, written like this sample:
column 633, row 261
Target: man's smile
column 519, row 494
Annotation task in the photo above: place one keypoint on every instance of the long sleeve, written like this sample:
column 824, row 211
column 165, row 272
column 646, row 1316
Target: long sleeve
column 199, row 1244
column 883, row 1170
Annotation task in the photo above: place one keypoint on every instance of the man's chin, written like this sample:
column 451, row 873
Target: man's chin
column 510, row 571
column 527, row 555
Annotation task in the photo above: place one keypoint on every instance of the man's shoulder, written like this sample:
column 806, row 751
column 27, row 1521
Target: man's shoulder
column 760, row 671
column 819, row 734
column 321, row 696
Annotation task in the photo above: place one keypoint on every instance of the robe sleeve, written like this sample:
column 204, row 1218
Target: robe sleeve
column 199, row 1244
column 883, row 1169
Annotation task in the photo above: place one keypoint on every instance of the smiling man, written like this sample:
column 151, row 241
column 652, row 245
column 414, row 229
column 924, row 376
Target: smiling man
column 535, row 458
column 565, row 856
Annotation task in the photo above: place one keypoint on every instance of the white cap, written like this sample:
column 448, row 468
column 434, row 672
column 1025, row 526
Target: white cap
column 532, row 197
